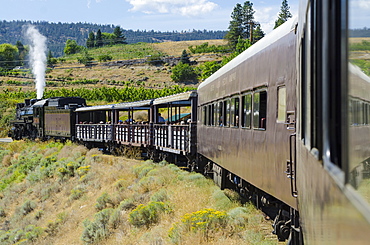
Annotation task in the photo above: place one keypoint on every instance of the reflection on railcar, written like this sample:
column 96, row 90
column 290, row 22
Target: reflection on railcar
column 359, row 118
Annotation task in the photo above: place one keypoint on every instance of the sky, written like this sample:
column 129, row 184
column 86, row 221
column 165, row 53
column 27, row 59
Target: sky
column 158, row 15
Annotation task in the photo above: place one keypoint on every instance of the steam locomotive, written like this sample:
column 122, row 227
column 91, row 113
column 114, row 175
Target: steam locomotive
column 286, row 123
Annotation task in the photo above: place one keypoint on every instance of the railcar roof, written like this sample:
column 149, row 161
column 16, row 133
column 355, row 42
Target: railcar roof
column 269, row 39
column 96, row 108
column 357, row 71
column 40, row 102
column 144, row 104
column 175, row 98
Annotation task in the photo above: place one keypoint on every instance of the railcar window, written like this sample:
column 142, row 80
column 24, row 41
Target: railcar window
column 204, row 121
column 246, row 110
column 358, row 146
column 234, row 112
column 259, row 109
column 281, row 110
column 210, row 115
column 215, row 114
column 227, row 113
column 221, row 114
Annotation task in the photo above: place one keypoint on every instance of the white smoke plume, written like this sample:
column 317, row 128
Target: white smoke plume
column 37, row 57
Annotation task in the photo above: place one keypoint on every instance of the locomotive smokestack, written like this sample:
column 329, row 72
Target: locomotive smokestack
column 37, row 58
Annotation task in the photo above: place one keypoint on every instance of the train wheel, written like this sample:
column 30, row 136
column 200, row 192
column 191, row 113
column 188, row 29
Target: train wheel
column 283, row 230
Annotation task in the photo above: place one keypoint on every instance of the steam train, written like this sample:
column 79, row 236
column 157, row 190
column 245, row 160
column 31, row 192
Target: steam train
column 287, row 123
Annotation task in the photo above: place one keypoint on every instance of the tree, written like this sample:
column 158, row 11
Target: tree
column 235, row 26
column 248, row 19
column 284, row 14
column 8, row 55
column 104, row 57
column 99, row 39
column 71, row 47
column 208, row 68
column 185, row 57
column 90, row 43
column 184, row 73
column 257, row 33
column 86, row 58
column 242, row 45
column 51, row 61
column 242, row 24
column 108, row 38
column 22, row 53
column 119, row 36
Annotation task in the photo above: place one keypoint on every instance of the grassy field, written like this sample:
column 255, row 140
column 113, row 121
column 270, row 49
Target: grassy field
column 360, row 53
column 144, row 75
column 54, row 193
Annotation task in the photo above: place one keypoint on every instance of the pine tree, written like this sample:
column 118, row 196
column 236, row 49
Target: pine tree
column 284, row 14
column 248, row 19
column 119, row 36
column 257, row 33
column 185, row 57
column 90, row 43
column 235, row 26
column 99, row 39
column 22, row 53
column 242, row 19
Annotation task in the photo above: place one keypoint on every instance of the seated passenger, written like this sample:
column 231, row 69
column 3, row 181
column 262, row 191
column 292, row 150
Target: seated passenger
column 160, row 118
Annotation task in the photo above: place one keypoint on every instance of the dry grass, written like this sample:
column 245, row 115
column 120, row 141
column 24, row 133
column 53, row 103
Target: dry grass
column 124, row 184
column 176, row 48
column 358, row 39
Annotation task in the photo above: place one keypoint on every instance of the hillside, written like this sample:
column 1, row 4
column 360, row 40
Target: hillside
column 58, row 33
column 115, row 72
column 54, row 193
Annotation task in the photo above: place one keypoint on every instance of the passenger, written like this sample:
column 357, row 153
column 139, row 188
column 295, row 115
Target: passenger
column 160, row 118
column 129, row 120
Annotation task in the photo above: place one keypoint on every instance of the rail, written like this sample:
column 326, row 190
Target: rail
column 133, row 134
column 171, row 138
column 94, row 132
column 175, row 137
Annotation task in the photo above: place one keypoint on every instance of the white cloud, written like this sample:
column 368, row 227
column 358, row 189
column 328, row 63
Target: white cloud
column 182, row 7
column 266, row 17
column 89, row 2
column 365, row 4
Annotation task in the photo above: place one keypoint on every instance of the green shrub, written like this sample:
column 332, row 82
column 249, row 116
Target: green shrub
column 115, row 219
column 33, row 232
column 99, row 228
column 27, row 207
column 127, row 204
column 221, row 200
column 102, row 201
column 77, row 193
column 184, row 73
column 205, row 221
column 159, row 196
column 141, row 170
column 146, row 215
